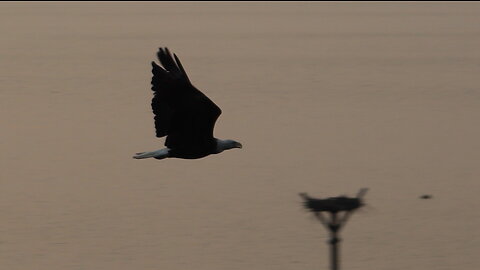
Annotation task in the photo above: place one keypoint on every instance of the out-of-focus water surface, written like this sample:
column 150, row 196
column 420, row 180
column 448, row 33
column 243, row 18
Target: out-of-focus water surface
column 326, row 98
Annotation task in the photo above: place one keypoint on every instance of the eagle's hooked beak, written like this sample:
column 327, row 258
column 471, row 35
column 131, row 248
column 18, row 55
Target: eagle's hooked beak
column 238, row 145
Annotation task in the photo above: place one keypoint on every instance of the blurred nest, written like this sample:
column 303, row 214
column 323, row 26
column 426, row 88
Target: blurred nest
column 332, row 205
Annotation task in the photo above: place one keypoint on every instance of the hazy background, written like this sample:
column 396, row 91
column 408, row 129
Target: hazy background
column 325, row 97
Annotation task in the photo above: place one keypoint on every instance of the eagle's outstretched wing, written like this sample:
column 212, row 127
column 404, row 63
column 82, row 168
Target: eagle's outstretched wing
column 182, row 113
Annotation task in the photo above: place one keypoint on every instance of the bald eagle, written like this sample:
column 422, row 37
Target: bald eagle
column 182, row 113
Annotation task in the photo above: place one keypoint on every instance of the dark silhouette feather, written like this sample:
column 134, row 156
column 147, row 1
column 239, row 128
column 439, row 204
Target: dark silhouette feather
column 182, row 113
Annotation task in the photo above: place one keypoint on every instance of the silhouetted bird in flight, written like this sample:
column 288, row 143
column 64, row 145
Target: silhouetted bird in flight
column 182, row 113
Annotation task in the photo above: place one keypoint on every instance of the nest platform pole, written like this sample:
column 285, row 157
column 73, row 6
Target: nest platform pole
column 334, row 240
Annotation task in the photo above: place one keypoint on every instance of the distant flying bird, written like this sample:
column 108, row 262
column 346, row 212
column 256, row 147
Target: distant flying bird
column 182, row 113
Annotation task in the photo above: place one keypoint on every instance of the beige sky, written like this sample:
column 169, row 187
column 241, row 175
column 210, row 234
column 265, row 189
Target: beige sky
column 326, row 98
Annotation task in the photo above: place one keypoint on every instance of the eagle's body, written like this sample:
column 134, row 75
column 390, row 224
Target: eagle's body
column 182, row 113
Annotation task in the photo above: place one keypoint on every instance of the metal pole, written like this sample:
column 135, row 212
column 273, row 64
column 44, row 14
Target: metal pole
column 334, row 252
column 334, row 239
